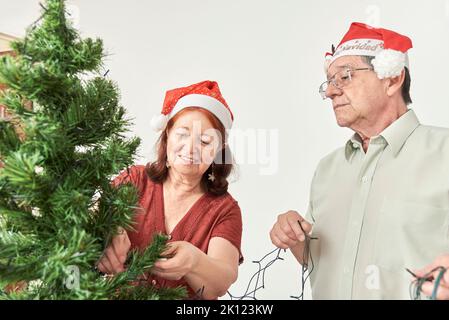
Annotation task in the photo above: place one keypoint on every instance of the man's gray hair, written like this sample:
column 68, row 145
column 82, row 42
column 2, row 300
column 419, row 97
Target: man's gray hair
column 405, row 86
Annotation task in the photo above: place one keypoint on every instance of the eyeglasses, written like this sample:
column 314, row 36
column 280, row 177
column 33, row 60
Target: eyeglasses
column 339, row 80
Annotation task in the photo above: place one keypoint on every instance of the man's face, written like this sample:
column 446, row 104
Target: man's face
column 359, row 102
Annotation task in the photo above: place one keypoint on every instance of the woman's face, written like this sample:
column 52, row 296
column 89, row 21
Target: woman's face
column 192, row 144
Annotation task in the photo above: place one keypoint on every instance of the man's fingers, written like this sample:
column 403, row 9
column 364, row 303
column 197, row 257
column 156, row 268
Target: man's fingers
column 278, row 242
column 430, row 270
column 445, row 279
column 294, row 225
column 287, row 231
column 427, row 288
column 306, row 226
column 436, row 274
column 442, row 292
column 275, row 240
column 283, row 227
column 289, row 241
column 419, row 273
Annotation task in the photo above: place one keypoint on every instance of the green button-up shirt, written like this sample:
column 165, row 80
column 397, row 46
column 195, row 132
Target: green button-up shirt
column 376, row 214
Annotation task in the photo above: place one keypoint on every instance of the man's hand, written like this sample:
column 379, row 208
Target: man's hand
column 428, row 286
column 287, row 233
column 114, row 257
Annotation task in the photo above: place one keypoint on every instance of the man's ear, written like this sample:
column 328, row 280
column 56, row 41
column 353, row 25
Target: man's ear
column 395, row 84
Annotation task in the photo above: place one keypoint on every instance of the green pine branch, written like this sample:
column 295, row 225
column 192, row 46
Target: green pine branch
column 58, row 208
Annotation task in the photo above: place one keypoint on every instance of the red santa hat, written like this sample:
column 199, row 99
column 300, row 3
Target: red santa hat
column 205, row 94
column 388, row 47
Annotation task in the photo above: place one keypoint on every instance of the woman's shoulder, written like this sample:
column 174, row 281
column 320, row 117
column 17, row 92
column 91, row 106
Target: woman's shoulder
column 135, row 174
column 137, row 169
column 225, row 200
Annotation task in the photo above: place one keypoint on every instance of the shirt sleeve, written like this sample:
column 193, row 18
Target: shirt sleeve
column 309, row 214
column 229, row 227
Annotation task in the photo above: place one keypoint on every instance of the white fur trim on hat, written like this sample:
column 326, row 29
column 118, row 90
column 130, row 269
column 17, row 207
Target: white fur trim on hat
column 358, row 47
column 159, row 122
column 213, row 105
column 327, row 63
column 389, row 63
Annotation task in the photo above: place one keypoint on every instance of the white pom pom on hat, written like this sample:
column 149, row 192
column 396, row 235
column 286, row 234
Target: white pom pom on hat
column 159, row 122
column 327, row 62
column 388, row 47
column 205, row 94
column 389, row 63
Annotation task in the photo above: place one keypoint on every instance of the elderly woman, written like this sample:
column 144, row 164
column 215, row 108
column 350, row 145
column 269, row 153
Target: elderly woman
column 184, row 194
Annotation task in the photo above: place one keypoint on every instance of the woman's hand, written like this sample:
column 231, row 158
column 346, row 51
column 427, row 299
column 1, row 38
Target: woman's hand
column 114, row 257
column 15, row 287
column 180, row 258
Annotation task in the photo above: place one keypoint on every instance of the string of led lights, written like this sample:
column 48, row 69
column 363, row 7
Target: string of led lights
column 257, row 280
column 416, row 285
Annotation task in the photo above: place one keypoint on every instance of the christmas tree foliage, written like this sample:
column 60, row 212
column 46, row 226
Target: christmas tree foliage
column 58, row 209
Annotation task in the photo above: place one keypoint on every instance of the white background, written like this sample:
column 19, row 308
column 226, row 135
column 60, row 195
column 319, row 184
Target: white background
column 267, row 56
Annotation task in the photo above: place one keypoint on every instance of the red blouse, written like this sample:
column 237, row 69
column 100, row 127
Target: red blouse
column 210, row 216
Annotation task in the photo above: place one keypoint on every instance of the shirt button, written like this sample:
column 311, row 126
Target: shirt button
column 154, row 282
column 355, row 145
column 365, row 179
column 169, row 237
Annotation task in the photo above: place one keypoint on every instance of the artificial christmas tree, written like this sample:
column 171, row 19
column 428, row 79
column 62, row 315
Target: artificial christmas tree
column 5, row 49
column 58, row 208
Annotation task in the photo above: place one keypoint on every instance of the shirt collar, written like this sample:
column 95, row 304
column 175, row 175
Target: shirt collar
column 396, row 134
column 352, row 145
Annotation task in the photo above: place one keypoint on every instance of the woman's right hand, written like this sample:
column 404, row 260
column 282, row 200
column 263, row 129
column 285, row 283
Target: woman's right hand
column 114, row 257
column 287, row 233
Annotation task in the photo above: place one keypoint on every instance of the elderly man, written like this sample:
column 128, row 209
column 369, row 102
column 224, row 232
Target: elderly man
column 380, row 204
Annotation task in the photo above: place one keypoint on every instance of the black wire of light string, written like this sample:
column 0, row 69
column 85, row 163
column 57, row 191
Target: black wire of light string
column 416, row 285
column 259, row 275
column 306, row 259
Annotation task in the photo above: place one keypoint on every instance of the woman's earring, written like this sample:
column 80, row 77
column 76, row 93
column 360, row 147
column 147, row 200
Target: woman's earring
column 211, row 175
column 167, row 164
